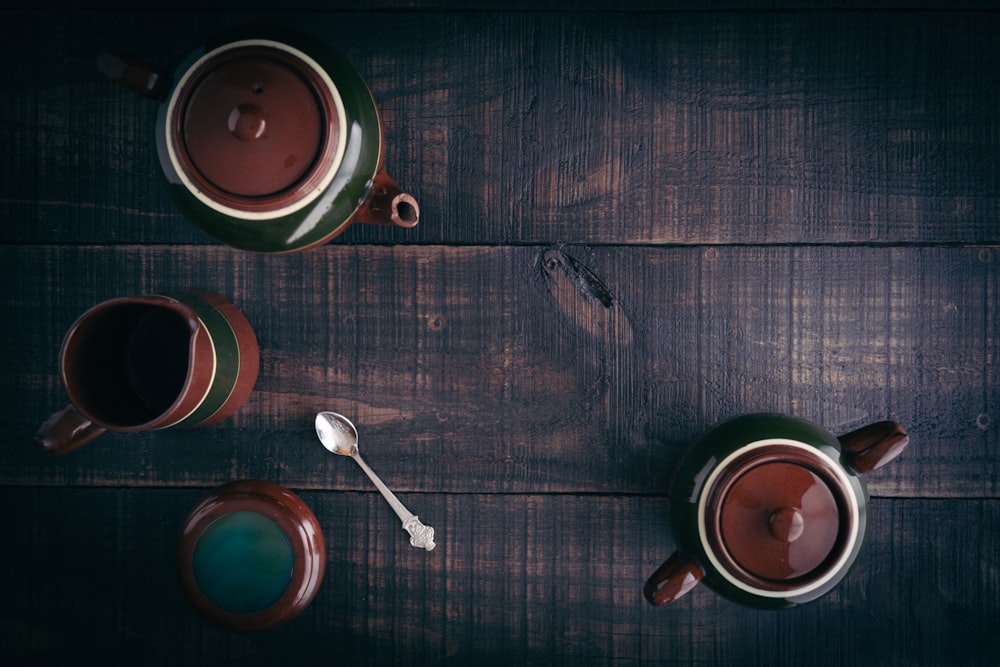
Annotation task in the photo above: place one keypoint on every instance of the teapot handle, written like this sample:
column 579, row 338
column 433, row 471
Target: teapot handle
column 134, row 75
column 67, row 430
column 678, row 575
column 871, row 447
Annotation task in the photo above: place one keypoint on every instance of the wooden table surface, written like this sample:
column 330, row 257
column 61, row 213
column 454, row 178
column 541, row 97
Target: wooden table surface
column 635, row 223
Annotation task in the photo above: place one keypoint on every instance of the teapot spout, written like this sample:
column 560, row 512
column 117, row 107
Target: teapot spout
column 387, row 204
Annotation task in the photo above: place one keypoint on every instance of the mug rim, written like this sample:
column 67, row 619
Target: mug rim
column 198, row 372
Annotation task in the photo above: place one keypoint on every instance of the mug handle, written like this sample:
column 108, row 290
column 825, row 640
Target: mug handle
column 871, row 447
column 134, row 75
column 678, row 575
column 67, row 430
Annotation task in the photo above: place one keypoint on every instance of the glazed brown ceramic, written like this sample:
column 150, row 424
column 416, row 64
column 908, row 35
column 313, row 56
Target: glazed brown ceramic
column 269, row 140
column 255, row 129
column 779, row 516
column 770, row 510
column 152, row 362
column 251, row 555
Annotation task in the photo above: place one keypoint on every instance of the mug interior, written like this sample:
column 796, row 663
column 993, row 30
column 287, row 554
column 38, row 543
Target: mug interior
column 127, row 364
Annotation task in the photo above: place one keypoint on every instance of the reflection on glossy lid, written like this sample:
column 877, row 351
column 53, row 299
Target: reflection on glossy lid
column 779, row 521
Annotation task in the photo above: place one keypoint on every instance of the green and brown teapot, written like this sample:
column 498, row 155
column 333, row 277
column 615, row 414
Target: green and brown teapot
column 268, row 140
column 769, row 510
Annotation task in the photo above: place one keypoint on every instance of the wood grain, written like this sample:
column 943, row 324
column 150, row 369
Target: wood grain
column 662, row 127
column 536, row 369
column 649, row 6
column 636, row 220
column 520, row 579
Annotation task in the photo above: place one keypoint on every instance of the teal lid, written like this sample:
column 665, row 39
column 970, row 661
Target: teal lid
column 243, row 562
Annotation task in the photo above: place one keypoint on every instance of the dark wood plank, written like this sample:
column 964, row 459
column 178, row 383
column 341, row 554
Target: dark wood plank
column 532, row 5
column 663, row 127
column 638, row 220
column 534, row 369
column 515, row 580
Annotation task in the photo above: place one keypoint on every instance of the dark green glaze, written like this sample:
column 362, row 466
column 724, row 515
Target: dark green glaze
column 243, row 562
column 227, row 355
column 328, row 214
column 705, row 453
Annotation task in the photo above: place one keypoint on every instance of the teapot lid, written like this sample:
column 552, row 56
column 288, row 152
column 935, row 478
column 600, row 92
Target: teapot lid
column 779, row 516
column 256, row 127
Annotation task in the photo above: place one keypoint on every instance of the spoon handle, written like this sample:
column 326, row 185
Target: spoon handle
column 421, row 536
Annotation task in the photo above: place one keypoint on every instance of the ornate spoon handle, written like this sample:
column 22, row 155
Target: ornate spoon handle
column 421, row 536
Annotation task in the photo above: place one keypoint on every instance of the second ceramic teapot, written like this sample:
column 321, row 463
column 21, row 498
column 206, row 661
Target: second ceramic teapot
column 770, row 510
column 269, row 140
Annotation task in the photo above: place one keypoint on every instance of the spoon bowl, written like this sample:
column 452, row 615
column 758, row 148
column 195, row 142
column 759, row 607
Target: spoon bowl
column 337, row 433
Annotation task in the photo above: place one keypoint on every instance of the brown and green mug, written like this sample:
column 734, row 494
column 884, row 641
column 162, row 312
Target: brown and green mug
column 151, row 362
column 770, row 510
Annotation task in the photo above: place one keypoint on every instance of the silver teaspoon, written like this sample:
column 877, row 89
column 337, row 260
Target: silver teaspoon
column 339, row 435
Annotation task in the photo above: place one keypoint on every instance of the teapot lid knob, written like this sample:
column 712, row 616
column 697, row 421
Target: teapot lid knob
column 247, row 122
column 786, row 524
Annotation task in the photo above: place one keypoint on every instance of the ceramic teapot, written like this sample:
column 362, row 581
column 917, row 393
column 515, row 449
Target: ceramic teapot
column 268, row 140
column 770, row 510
